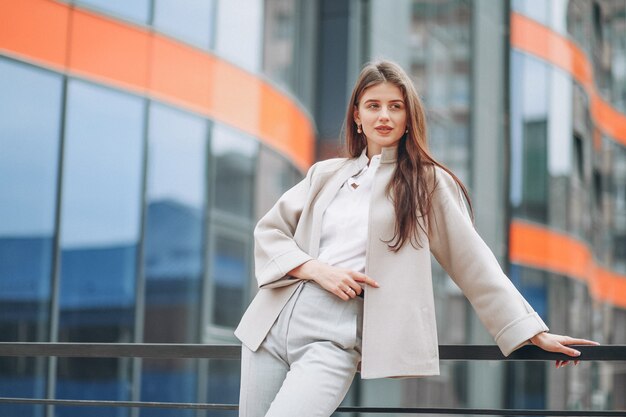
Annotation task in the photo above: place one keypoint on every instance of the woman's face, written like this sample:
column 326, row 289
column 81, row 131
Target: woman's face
column 381, row 113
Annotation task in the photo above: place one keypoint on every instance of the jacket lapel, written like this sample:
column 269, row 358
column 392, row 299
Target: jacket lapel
column 332, row 183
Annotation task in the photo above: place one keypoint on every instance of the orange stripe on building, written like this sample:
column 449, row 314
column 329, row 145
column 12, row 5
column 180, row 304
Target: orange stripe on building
column 35, row 29
column 536, row 39
column 539, row 247
column 108, row 50
column 132, row 58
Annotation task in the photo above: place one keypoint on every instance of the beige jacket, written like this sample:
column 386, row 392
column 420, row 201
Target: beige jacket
column 399, row 336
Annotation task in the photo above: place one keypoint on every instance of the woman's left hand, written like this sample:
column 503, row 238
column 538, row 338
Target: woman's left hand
column 557, row 343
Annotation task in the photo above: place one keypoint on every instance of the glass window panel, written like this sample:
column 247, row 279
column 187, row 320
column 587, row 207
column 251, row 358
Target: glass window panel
column 277, row 177
column 188, row 20
column 100, row 223
column 173, row 380
column 136, row 10
column 177, row 150
column 30, row 116
column 279, row 45
column 559, row 146
column 235, row 163
column 529, row 142
column 223, row 384
column 538, row 10
column 229, row 275
column 558, row 15
column 239, row 32
column 515, row 85
column 535, row 184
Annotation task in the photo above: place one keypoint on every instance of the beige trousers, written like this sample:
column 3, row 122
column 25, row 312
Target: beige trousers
column 308, row 360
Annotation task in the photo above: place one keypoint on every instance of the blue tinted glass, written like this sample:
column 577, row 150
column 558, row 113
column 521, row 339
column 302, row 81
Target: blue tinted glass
column 100, row 223
column 188, row 20
column 137, row 10
column 538, row 10
column 229, row 274
column 235, row 161
column 223, row 384
column 239, row 32
column 30, row 114
column 177, row 149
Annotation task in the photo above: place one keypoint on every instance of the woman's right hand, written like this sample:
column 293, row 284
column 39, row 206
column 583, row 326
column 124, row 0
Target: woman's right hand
column 342, row 282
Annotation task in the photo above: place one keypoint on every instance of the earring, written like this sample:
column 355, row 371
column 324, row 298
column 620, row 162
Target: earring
column 358, row 129
column 407, row 130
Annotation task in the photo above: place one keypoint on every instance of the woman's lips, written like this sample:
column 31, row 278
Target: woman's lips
column 383, row 130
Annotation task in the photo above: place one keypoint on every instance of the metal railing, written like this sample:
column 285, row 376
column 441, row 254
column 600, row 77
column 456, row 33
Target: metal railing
column 198, row 351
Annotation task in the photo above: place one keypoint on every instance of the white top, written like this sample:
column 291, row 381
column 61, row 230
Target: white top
column 344, row 224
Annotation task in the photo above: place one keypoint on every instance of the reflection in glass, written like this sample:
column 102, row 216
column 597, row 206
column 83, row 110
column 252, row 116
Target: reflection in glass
column 239, row 32
column 176, row 184
column 538, row 10
column 100, row 223
column 188, row 20
column 529, row 142
column 229, row 276
column 277, row 176
column 30, row 116
column 279, row 43
column 234, row 158
column 136, row 10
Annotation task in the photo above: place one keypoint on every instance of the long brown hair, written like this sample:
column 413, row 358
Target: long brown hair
column 408, row 188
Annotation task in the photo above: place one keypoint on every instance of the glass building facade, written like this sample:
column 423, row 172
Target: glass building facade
column 568, row 125
column 128, row 200
column 141, row 141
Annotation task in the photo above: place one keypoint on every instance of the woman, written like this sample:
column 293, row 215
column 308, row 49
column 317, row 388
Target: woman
column 343, row 265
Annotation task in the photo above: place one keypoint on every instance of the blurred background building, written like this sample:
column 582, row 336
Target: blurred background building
column 140, row 142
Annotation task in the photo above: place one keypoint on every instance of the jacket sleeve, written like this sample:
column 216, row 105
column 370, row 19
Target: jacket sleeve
column 463, row 254
column 275, row 250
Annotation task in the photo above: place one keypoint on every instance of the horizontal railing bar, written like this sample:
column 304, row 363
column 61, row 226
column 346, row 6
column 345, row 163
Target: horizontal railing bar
column 175, row 351
column 128, row 404
column 373, row 410
column 121, row 350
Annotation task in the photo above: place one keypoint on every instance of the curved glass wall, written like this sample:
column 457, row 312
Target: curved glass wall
column 151, row 197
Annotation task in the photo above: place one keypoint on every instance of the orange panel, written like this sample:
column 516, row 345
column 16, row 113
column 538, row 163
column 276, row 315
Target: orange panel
column 35, row 29
column 535, row 245
column 109, row 50
column 610, row 287
column 236, row 98
column 536, row 39
column 539, row 247
column 613, row 123
column 180, row 74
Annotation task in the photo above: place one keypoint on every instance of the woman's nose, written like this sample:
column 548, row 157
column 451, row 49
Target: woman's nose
column 384, row 114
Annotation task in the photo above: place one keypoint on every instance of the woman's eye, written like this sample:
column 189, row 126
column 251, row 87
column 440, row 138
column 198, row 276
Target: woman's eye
column 373, row 106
